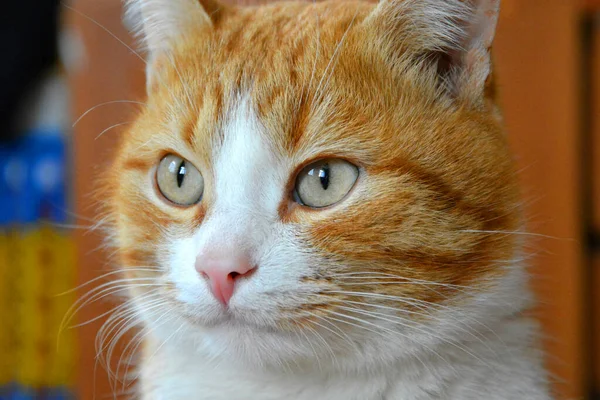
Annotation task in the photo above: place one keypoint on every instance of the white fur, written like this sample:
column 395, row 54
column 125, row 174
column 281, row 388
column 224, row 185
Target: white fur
column 181, row 373
column 481, row 349
column 160, row 23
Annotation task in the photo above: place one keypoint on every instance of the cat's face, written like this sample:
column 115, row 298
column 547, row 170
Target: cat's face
column 313, row 178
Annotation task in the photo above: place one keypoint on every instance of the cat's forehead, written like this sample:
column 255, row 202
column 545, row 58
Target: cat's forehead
column 296, row 69
column 317, row 86
column 247, row 166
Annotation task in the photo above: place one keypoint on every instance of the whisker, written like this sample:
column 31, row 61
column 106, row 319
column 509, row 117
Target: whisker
column 122, row 318
column 405, row 323
column 106, row 103
column 317, row 53
column 327, row 73
column 99, row 293
column 149, row 330
column 111, row 128
column 143, row 144
column 322, row 340
column 342, row 335
column 315, row 352
column 426, row 315
column 103, row 276
column 127, row 304
column 377, row 332
column 149, row 359
column 381, row 275
column 422, row 330
column 185, row 87
column 105, row 29
column 106, row 288
column 532, row 234
column 345, row 284
column 422, row 305
column 120, row 325
column 115, row 37
column 71, row 226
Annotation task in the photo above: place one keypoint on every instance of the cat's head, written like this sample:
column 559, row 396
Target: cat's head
column 315, row 178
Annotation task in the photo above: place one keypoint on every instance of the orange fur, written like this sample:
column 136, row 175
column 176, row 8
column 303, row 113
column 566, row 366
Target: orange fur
column 328, row 79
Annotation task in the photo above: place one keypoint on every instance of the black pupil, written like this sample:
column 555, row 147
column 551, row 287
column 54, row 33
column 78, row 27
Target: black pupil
column 180, row 174
column 324, row 176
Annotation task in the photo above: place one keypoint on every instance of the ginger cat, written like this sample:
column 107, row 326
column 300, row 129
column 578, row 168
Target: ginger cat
column 317, row 202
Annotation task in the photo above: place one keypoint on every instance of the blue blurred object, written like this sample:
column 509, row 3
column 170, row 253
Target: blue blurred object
column 13, row 180
column 5, row 392
column 6, row 199
column 32, row 179
column 59, row 394
column 23, row 393
column 46, row 154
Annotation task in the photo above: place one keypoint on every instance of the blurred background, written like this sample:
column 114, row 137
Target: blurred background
column 69, row 84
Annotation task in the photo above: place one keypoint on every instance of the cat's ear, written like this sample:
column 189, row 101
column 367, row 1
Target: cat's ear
column 159, row 24
column 453, row 37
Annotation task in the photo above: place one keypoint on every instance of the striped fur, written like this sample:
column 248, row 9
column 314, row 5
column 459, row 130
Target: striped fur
column 412, row 287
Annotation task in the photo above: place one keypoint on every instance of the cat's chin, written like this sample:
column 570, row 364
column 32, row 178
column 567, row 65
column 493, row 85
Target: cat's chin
column 219, row 317
column 259, row 337
column 231, row 322
column 256, row 347
column 238, row 341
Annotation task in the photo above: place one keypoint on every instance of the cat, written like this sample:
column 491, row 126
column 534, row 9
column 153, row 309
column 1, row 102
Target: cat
column 317, row 201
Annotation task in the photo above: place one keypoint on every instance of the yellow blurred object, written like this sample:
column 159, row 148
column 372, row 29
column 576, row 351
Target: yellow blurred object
column 61, row 366
column 46, row 265
column 13, row 273
column 5, row 312
column 29, row 327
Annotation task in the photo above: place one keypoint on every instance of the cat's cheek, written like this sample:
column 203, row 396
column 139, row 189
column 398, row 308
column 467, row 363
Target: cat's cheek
column 180, row 260
column 278, row 281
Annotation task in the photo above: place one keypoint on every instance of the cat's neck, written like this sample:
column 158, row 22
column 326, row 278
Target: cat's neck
column 462, row 370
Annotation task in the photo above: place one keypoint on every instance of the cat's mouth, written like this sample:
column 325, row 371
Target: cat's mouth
column 225, row 317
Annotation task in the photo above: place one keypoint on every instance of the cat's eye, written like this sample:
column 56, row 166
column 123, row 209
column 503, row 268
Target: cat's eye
column 179, row 181
column 325, row 182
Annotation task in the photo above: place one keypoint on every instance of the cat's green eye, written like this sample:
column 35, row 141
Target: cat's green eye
column 179, row 181
column 325, row 182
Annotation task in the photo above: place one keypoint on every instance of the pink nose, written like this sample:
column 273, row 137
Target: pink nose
column 222, row 270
